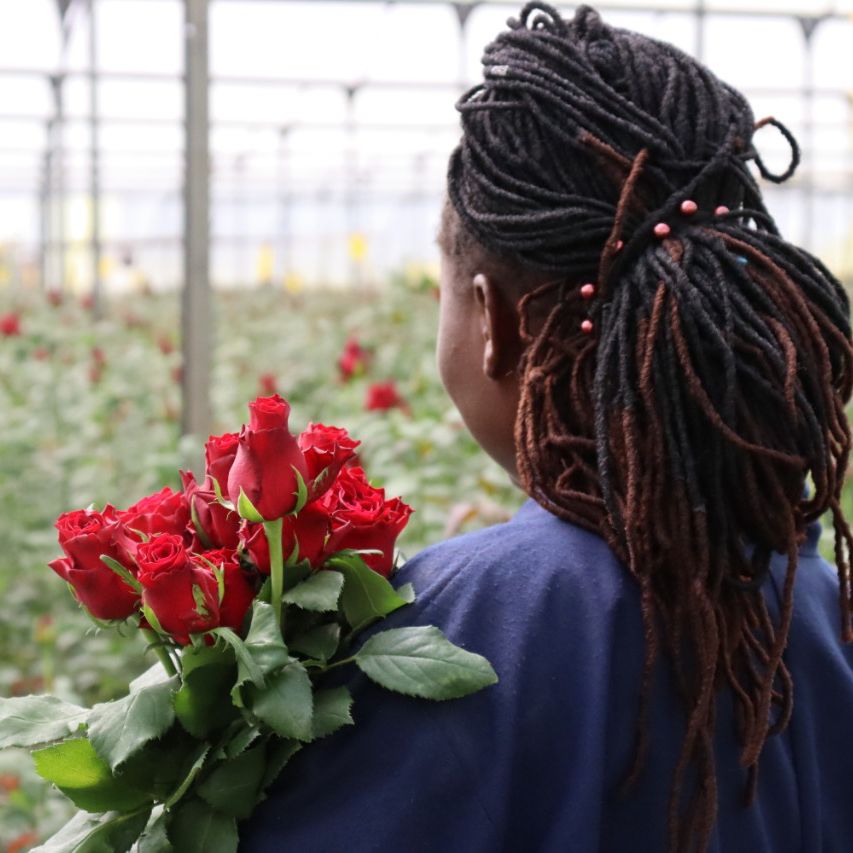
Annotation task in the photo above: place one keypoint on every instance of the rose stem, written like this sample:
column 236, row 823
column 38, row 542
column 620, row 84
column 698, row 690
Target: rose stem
column 272, row 529
column 156, row 644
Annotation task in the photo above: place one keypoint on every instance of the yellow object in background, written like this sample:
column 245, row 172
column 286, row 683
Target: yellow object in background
column 293, row 282
column 265, row 265
column 357, row 246
column 106, row 266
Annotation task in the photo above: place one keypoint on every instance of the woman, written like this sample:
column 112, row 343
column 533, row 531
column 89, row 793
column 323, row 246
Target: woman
column 626, row 332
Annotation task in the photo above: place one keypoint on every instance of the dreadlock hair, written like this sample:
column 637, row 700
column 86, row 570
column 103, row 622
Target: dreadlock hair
column 684, row 428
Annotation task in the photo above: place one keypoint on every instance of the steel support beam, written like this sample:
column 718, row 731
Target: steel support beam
column 196, row 308
column 94, row 162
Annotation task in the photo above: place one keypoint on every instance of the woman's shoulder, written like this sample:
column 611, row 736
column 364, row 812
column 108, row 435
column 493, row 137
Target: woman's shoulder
column 534, row 565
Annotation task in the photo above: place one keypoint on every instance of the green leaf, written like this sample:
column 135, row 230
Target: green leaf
column 319, row 592
column 280, row 751
column 200, row 602
column 155, row 674
column 286, row 703
column 203, row 704
column 203, row 537
column 246, row 509
column 241, row 741
column 217, row 490
column 153, row 621
column 331, row 711
column 301, row 492
column 295, row 572
column 319, row 484
column 118, row 729
column 162, row 764
column 198, row 657
column 155, row 839
column 264, row 642
column 233, row 785
column 194, row 770
column 247, row 669
column 111, row 832
column 367, row 596
column 407, row 593
column 79, row 772
column 319, row 643
column 218, row 573
column 116, row 835
column 197, row 828
column 30, row 720
column 122, row 572
column 421, row 661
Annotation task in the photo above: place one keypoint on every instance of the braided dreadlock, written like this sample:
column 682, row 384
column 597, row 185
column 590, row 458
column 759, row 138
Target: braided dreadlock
column 685, row 428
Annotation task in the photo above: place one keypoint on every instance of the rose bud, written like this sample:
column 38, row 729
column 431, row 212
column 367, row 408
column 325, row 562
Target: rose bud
column 327, row 449
column 307, row 530
column 239, row 585
column 165, row 511
column 219, row 453
column 268, row 462
column 84, row 536
column 363, row 518
column 219, row 526
column 168, row 577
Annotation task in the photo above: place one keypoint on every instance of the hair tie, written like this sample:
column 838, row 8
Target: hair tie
column 795, row 151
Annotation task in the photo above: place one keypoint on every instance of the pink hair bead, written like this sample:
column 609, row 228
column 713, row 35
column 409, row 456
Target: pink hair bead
column 689, row 207
column 588, row 291
column 722, row 210
column 662, row 230
column 620, row 244
column 586, row 326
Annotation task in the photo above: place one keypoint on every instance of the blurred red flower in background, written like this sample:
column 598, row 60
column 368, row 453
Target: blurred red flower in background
column 384, row 395
column 268, row 384
column 353, row 360
column 10, row 324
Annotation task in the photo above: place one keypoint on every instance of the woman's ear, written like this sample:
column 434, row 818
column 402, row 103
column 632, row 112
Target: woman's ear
column 499, row 325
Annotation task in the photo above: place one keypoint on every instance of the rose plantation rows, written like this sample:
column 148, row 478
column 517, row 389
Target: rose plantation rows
column 90, row 413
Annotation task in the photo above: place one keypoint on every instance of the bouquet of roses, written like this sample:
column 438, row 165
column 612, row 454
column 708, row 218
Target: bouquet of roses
column 249, row 587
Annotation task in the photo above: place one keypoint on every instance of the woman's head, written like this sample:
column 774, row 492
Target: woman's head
column 680, row 404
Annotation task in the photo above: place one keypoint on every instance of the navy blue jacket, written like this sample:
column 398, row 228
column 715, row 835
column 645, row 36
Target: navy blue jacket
column 530, row 764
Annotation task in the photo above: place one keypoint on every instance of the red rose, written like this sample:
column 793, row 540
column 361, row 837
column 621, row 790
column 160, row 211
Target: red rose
column 168, row 576
column 326, row 450
column 219, row 453
column 353, row 359
column 268, row 459
column 363, row 518
column 307, row 530
column 84, row 536
column 239, row 585
column 219, row 525
column 10, row 324
column 165, row 511
column 382, row 396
